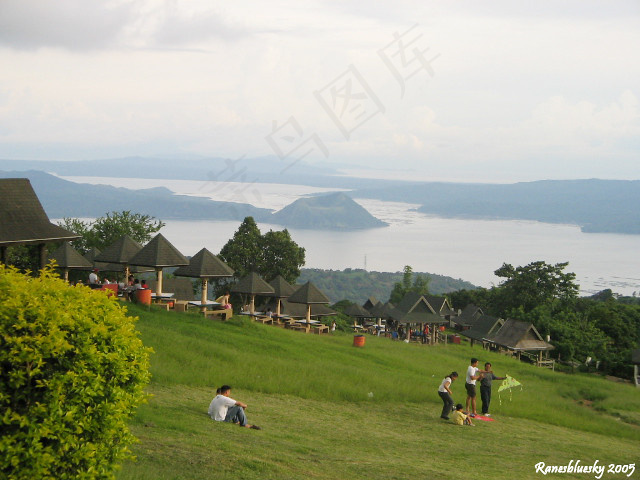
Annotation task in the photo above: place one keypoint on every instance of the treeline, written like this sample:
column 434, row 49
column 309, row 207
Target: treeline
column 357, row 285
column 603, row 328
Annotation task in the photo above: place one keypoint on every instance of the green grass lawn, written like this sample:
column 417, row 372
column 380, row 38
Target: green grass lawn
column 332, row 411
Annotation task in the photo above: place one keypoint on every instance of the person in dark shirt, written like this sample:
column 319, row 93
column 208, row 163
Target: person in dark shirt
column 485, row 388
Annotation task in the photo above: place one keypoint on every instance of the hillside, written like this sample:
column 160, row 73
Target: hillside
column 332, row 411
column 357, row 285
column 335, row 211
column 595, row 205
column 61, row 198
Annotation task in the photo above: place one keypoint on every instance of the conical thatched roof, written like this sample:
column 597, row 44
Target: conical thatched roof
column 120, row 251
column 204, row 264
column 22, row 217
column 356, row 310
column 253, row 285
column 159, row 252
column 67, row 257
column 308, row 293
column 281, row 288
column 377, row 310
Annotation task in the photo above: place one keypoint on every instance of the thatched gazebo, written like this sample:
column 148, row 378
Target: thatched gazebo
column 253, row 285
column 66, row 258
column 483, row 328
column 119, row 252
column 24, row 221
column 308, row 294
column 159, row 253
column 414, row 309
column 281, row 289
column 518, row 337
column 205, row 266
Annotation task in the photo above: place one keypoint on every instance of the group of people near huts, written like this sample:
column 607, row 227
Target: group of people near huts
column 460, row 416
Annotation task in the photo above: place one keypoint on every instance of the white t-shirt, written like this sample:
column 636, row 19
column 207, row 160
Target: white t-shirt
column 441, row 387
column 93, row 278
column 471, row 372
column 219, row 406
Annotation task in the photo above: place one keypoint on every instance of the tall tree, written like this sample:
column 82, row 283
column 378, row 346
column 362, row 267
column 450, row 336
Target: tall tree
column 535, row 284
column 243, row 252
column 281, row 256
column 274, row 253
column 419, row 284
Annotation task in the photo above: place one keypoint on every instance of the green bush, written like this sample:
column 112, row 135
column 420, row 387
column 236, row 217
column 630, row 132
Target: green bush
column 72, row 372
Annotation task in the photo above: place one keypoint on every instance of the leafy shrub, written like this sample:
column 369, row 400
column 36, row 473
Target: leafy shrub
column 72, row 372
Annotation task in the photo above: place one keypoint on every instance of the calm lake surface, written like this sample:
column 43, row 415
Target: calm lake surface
column 460, row 248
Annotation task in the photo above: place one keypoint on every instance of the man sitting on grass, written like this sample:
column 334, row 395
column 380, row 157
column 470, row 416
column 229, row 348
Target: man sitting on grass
column 223, row 408
column 459, row 418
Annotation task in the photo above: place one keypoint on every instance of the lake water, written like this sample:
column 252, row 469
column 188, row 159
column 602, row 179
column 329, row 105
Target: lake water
column 460, row 248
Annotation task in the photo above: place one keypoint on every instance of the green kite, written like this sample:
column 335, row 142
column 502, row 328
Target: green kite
column 507, row 384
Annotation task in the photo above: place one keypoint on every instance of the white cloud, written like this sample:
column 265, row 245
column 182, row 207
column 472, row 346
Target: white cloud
column 70, row 24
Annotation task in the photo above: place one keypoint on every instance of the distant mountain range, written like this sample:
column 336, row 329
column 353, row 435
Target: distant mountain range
column 61, row 198
column 595, row 205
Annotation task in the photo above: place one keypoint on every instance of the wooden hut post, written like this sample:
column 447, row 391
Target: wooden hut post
column 205, row 287
column 159, row 282
column 3, row 254
column 42, row 252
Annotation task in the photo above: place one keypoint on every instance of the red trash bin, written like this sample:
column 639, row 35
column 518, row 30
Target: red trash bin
column 358, row 340
column 143, row 296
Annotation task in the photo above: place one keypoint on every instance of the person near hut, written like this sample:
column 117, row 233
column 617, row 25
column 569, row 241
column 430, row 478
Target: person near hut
column 485, row 388
column 223, row 408
column 333, row 326
column 93, row 277
column 444, row 390
column 459, row 418
column 425, row 333
column 224, row 301
column 473, row 374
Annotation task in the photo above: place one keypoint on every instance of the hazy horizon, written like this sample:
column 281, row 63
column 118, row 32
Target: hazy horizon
column 497, row 91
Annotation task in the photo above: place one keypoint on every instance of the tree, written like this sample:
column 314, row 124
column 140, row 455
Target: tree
column 281, row 256
column 243, row 252
column 534, row 284
column 72, row 372
column 419, row 285
column 106, row 230
column 269, row 255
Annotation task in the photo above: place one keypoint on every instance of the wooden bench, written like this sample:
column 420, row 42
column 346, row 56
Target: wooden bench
column 321, row 328
column 224, row 313
column 264, row 319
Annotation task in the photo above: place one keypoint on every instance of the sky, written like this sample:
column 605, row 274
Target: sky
column 433, row 90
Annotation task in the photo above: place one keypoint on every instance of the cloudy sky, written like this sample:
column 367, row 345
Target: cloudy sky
column 468, row 90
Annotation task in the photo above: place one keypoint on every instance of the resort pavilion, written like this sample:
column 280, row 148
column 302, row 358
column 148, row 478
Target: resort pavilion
column 23, row 220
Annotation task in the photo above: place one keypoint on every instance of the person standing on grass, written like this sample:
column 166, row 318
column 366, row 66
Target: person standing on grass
column 473, row 374
column 485, row 388
column 444, row 390
column 223, row 408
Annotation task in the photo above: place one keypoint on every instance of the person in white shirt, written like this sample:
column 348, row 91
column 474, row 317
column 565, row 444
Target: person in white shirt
column 93, row 277
column 473, row 374
column 223, row 408
column 444, row 390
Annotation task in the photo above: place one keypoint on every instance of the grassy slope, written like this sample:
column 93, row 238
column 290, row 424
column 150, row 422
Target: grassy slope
column 311, row 396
